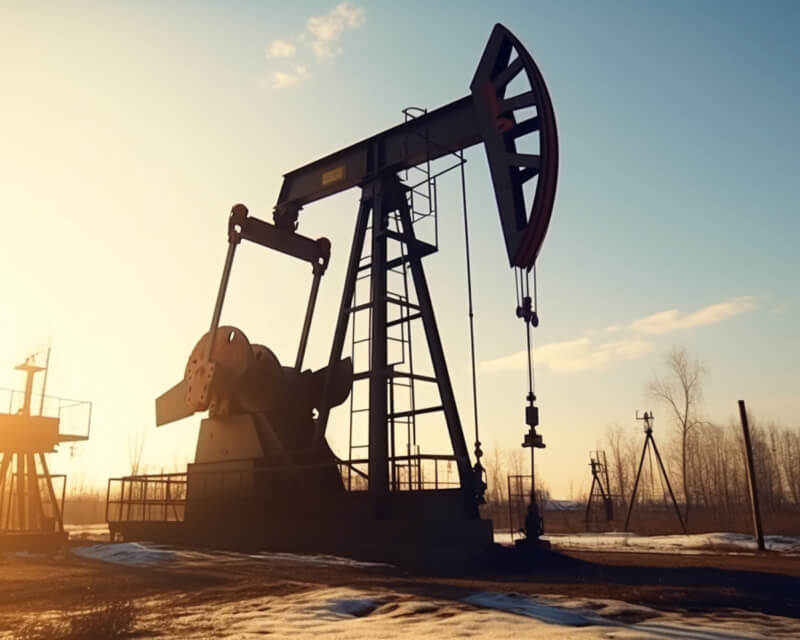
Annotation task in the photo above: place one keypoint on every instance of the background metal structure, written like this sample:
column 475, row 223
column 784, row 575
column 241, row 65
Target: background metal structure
column 601, row 487
column 31, row 508
column 647, row 418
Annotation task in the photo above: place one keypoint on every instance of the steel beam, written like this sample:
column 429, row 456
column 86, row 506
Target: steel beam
column 445, row 130
column 378, row 466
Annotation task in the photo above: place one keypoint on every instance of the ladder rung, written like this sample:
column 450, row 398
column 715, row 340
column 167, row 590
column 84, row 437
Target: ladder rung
column 415, row 412
column 359, row 307
column 364, row 375
column 402, row 303
column 414, row 376
column 424, row 249
column 408, row 318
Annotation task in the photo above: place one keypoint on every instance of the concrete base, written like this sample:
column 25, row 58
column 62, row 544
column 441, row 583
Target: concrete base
column 422, row 529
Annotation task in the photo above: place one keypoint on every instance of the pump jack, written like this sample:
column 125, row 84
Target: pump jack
column 264, row 475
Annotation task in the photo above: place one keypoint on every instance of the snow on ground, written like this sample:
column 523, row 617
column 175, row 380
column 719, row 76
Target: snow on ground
column 343, row 612
column 699, row 542
column 126, row 553
column 147, row 554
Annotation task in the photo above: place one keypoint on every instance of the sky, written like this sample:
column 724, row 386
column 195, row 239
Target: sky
column 127, row 131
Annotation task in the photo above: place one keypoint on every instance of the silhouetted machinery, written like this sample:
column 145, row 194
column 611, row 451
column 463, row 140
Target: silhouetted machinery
column 31, row 511
column 264, row 474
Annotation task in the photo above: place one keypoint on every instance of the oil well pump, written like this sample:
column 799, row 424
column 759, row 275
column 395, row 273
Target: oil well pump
column 264, row 474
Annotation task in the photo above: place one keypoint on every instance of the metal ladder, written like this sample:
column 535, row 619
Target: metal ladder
column 405, row 474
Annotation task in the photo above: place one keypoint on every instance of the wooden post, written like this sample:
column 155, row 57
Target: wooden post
column 751, row 474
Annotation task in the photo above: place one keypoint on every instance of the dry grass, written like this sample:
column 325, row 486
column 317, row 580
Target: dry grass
column 108, row 620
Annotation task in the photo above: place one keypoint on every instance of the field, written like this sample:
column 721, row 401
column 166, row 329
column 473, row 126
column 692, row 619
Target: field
column 591, row 591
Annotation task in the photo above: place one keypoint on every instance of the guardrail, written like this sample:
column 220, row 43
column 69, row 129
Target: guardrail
column 162, row 497
column 75, row 416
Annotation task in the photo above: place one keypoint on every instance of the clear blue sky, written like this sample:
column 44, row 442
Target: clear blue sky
column 128, row 130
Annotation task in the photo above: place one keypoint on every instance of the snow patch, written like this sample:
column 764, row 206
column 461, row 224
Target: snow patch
column 720, row 542
column 126, row 553
column 319, row 560
column 350, row 607
column 693, row 543
column 521, row 605
column 147, row 554
column 343, row 612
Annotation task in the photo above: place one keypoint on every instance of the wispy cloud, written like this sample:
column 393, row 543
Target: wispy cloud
column 281, row 49
column 591, row 353
column 574, row 355
column 674, row 320
column 282, row 79
column 321, row 40
column 326, row 30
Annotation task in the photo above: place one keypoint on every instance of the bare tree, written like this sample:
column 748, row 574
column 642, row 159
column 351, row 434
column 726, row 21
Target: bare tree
column 620, row 465
column 788, row 453
column 136, row 442
column 681, row 390
column 495, row 473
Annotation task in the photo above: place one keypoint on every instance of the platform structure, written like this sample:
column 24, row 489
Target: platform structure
column 31, row 497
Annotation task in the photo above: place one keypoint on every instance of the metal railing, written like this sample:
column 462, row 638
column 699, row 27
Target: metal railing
column 75, row 416
column 162, row 497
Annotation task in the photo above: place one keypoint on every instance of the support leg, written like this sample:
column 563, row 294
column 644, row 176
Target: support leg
column 636, row 483
column 57, row 508
column 11, row 505
column 589, row 502
column 669, row 486
column 435, row 346
column 3, row 473
column 22, row 517
column 606, row 501
column 343, row 318
column 34, row 498
column 378, row 374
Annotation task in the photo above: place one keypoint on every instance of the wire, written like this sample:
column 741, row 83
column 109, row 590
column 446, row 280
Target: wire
column 478, row 451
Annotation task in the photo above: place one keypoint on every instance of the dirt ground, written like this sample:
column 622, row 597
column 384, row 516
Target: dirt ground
column 697, row 584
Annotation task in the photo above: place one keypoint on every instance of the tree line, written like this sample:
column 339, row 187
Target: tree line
column 705, row 460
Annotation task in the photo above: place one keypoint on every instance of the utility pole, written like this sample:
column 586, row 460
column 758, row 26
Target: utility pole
column 751, row 474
